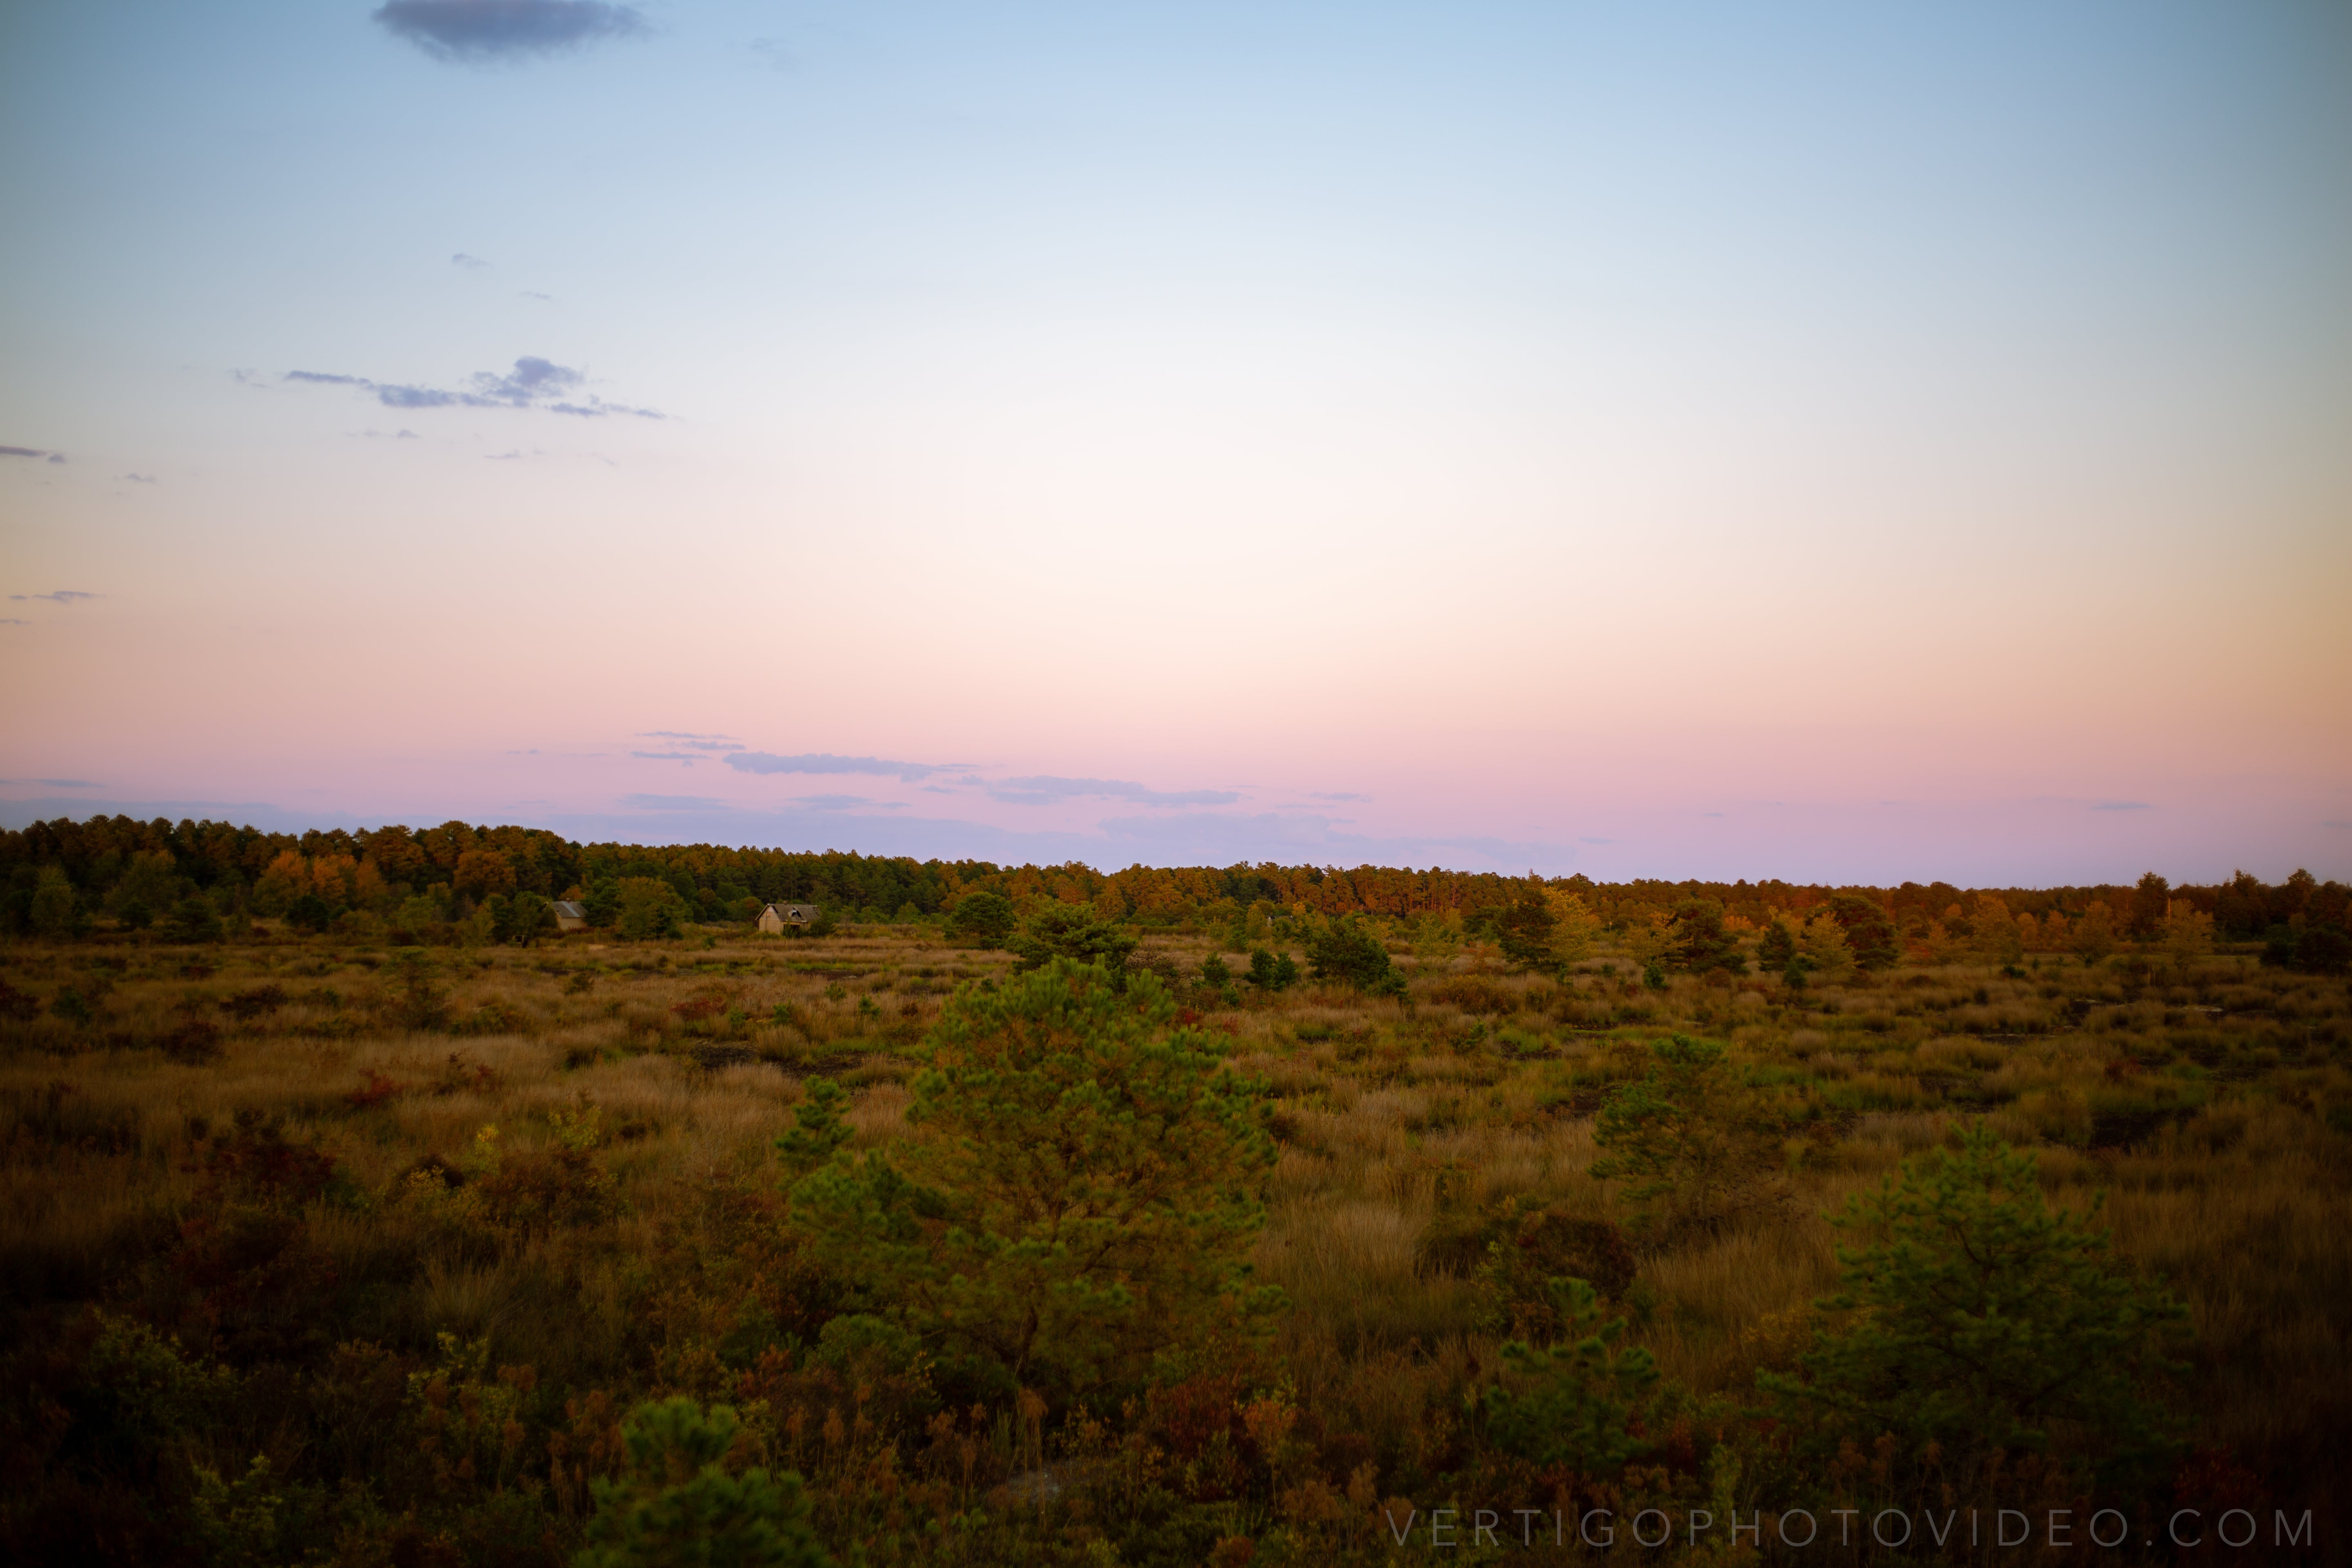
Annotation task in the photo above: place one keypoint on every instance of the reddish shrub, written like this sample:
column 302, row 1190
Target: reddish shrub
column 197, row 1040
column 254, row 1162
column 1188, row 1415
column 373, row 1092
column 255, row 1001
column 18, row 1007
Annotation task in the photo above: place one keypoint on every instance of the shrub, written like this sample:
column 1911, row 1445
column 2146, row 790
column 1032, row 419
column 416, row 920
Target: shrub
column 1523, row 929
column 817, row 1127
column 1268, row 973
column 54, row 912
column 1083, row 1191
column 1074, row 932
column 1578, row 1399
column 646, row 908
column 419, row 1004
column 190, row 1041
column 1986, row 1324
column 1525, row 1253
column 137, row 1398
column 2316, row 950
column 252, row 1283
column 254, row 1002
column 982, row 917
column 564, row 1184
column 2095, row 934
column 677, row 1505
column 522, row 920
column 309, row 912
column 1694, row 1141
column 1350, row 950
column 1701, row 944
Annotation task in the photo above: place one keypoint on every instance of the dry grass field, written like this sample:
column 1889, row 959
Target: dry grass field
column 416, row 1229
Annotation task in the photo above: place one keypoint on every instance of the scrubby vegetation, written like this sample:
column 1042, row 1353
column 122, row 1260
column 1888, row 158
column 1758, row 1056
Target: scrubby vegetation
column 451, row 1239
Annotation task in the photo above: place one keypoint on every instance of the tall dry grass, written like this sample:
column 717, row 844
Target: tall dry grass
column 2213, row 1108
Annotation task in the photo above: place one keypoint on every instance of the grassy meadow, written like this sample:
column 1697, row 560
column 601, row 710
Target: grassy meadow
column 319, row 1250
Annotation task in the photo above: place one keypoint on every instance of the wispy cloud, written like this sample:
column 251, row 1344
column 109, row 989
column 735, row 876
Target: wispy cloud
column 1046, row 789
column 1336, row 794
column 533, row 383
column 468, row 262
column 688, row 739
column 57, row 597
column 32, row 452
column 531, row 377
column 826, row 763
column 2120, row 806
column 672, row 803
column 141, row 478
column 1032, row 790
column 476, row 30
column 845, row 803
column 688, row 757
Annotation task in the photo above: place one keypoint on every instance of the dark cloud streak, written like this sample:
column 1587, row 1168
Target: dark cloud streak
column 481, row 30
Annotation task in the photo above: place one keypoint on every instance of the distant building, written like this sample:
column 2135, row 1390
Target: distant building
column 776, row 917
column 570, row 916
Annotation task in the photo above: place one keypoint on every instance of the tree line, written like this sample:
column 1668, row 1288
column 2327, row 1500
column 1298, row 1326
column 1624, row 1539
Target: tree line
column 60, row 876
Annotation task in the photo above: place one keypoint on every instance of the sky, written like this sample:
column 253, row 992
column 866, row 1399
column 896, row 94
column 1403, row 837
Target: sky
column 1838, row 442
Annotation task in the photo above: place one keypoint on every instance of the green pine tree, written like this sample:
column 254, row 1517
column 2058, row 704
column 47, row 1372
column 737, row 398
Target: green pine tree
column 1576, row 1399
column 678, row 1507
column 817, row 1127
column 1075, row 933
column 1694, row 1143
column 1081, row 1191
column 1986, row 1323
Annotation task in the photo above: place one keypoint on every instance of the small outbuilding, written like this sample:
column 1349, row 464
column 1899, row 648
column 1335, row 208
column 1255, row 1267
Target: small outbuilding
column 776, row 917
column 570, row 916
